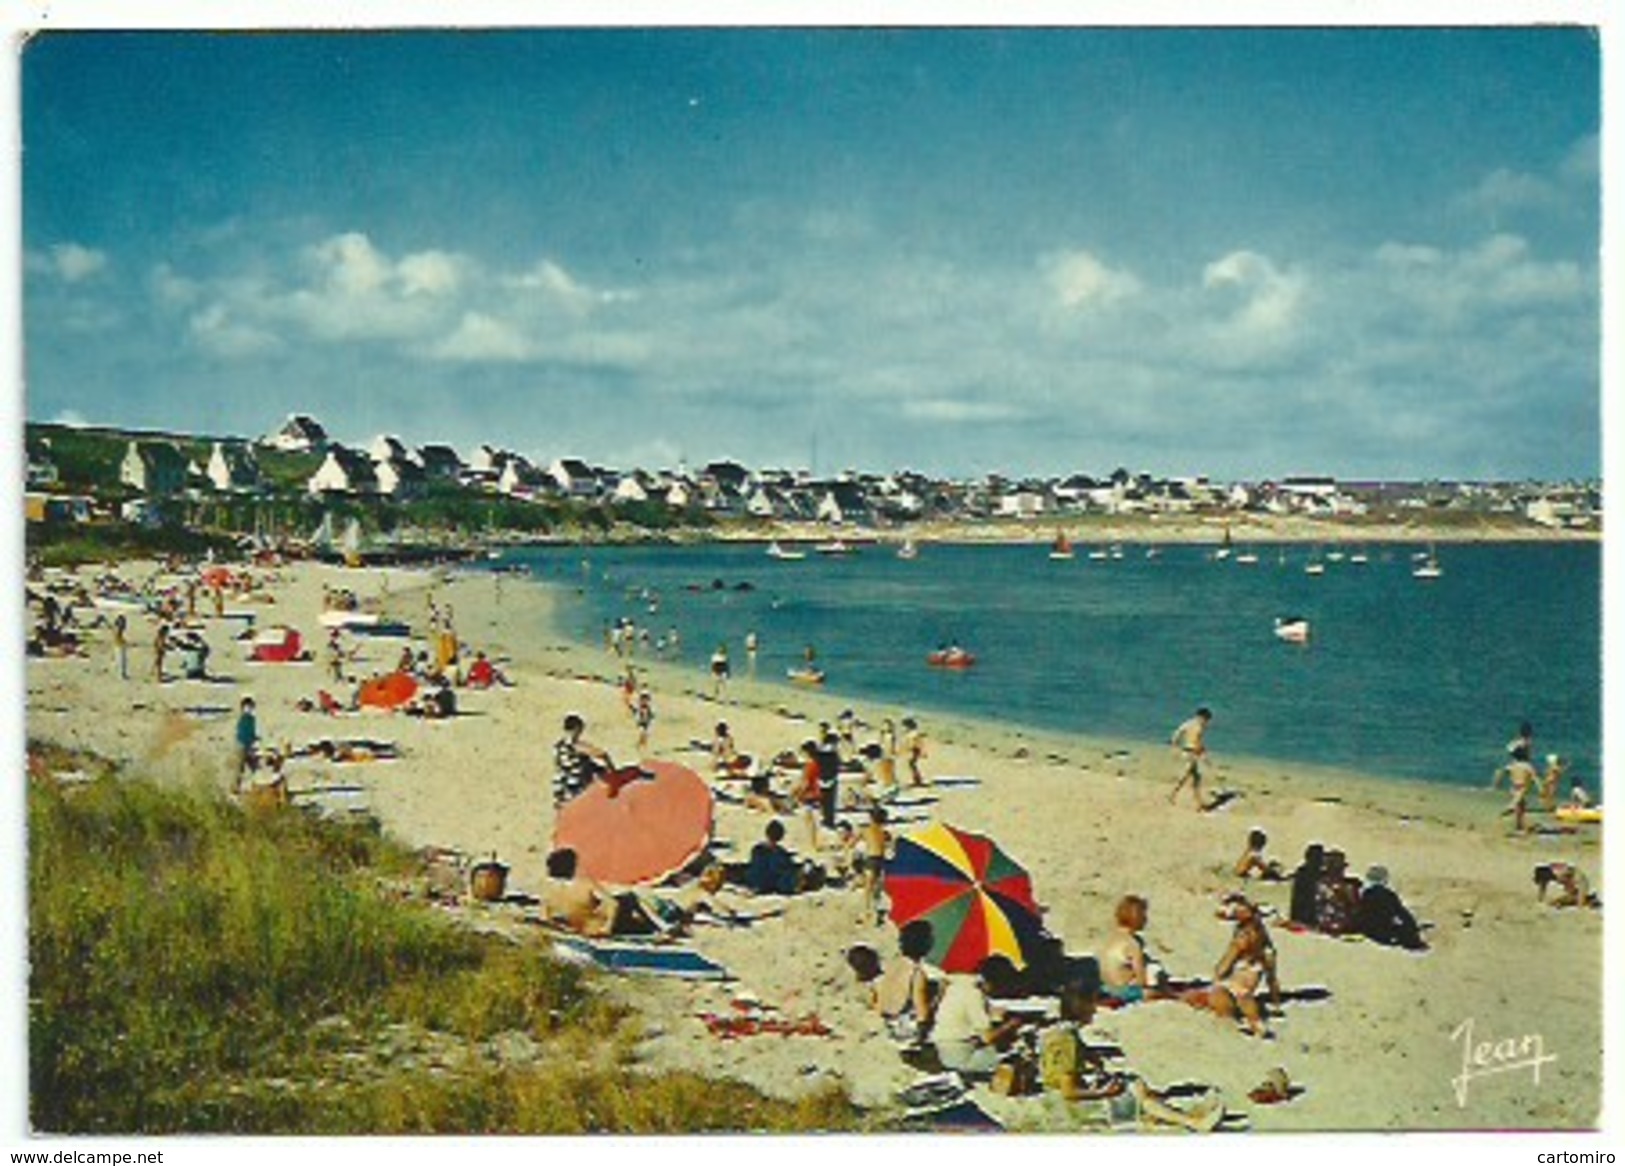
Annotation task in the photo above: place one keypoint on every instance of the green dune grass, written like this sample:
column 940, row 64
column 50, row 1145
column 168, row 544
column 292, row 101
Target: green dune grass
column 196, row 968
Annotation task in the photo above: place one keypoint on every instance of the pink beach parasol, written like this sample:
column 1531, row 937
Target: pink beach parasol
column 639, row 830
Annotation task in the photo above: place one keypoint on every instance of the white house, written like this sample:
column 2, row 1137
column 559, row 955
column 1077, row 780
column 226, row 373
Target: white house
column 574, row 477
column 232, row 468
column 399, row 478
column 343, row 471
column 629, row 489
column 153, row 467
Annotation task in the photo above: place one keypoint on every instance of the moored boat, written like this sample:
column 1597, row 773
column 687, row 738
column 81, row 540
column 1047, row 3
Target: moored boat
column 1292, row 628
column 952, row 657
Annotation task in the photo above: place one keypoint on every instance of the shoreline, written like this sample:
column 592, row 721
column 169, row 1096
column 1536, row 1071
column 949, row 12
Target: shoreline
column 1088, row 817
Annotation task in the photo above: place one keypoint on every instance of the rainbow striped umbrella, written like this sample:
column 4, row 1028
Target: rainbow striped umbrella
column 978, row 900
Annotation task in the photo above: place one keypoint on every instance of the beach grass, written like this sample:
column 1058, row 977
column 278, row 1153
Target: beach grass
column 198, row 968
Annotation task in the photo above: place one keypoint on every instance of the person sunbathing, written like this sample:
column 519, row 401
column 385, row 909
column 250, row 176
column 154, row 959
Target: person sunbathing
column 1246, row 967
column 726, row 760
column 484, row 674
column 1252, row 862
column 576, row 903
column 1337, row 894
column 1076, row 1070
column 1573, row 888
column 907, row 994
column 1126, row 974
column 576, row 761
column 1382, row 918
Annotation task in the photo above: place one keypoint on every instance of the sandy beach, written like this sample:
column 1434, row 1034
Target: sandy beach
column 1382, row 1048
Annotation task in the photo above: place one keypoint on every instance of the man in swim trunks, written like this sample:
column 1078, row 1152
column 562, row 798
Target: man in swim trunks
column 1190, row 740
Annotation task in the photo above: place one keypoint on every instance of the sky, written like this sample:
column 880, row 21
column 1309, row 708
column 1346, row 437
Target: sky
column 1243, row 253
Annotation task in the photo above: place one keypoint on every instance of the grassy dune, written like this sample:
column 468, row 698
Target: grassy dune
column 196, row 968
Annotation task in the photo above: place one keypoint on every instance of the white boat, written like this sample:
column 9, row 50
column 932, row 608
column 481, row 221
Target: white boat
column 1247, row 559
column 1117, row 551
column 1334, row 556
column 908, row 550
column 1292, row 628
column 835, row 547
column 775, row 551
column 1429, row 567
column 1314, row 567
column 1062, row 549
column 1359, row 558
column 1097, row 554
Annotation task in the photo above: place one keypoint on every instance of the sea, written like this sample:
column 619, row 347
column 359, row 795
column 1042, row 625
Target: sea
column 1425, row 679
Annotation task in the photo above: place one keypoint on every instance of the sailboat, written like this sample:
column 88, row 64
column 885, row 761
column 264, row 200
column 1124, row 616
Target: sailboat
column 908, row 550
column 775, row 551
column 322, row 539
column 1429, row 567
column 1062, row 548
column 1224, row 548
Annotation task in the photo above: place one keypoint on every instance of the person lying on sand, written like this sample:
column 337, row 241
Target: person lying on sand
column 1252, row 862
column 577, row 903
column 1072, row 1068
column 698, row 901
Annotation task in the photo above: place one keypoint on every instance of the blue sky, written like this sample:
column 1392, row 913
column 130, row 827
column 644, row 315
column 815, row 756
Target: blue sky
column 1244, row 253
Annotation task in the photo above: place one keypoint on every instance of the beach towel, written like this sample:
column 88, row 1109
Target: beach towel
column 649, row 959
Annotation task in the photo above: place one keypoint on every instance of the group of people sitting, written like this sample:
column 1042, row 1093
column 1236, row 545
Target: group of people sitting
column 1327, row 898
column 996, row 1025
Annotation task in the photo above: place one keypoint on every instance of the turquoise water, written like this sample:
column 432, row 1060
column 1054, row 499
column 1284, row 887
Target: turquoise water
column 1400, row 677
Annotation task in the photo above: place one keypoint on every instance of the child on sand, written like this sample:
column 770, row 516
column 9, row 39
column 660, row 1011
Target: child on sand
column 875, row 842
column 1252, row 862
column 1190, row 739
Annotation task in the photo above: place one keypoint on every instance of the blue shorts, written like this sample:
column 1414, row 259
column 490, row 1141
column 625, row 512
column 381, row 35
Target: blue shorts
column 1128, row 994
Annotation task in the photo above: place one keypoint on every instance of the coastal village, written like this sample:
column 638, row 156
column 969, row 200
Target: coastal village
column 85, row 474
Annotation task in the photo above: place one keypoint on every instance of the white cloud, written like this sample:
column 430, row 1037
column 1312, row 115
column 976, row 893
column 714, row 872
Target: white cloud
column 959, row 411
column 68, row 262
column 1260, row 301
column 480, row 338
column 559, row 287
column 216, row 331
column 1079, row 279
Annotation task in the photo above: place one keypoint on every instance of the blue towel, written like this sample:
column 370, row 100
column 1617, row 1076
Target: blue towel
column 658, row 960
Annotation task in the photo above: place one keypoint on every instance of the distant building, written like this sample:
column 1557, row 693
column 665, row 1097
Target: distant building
column 232, row 468
column 41, row 468
column 299, row 434
column 343, row 471
column 154, row 468
column 440, row 462
column 399, row 478
column 574, row 477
